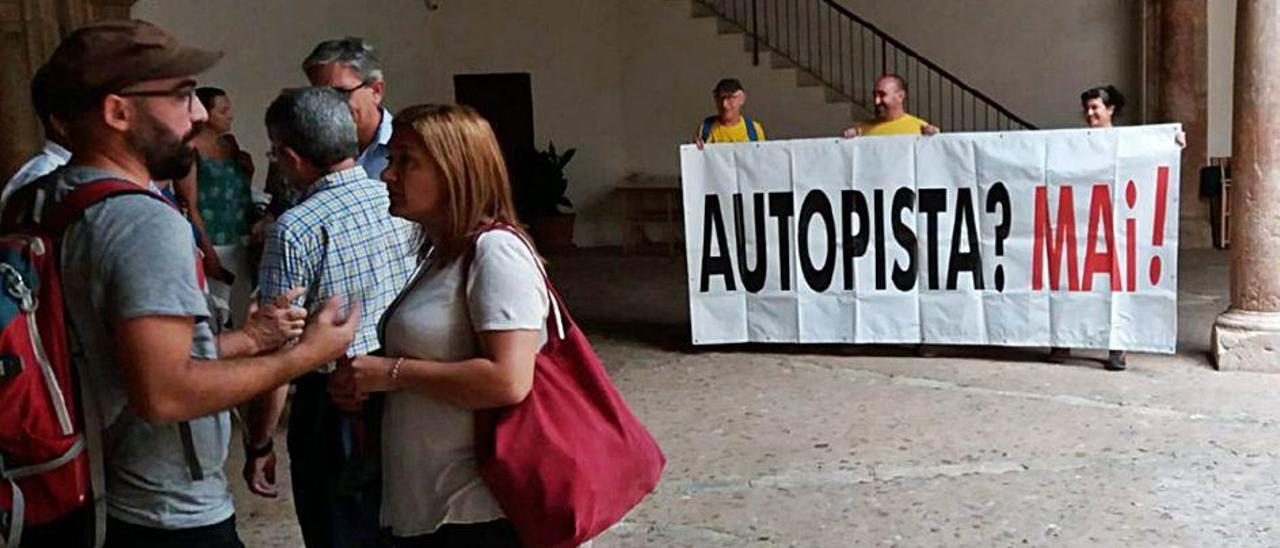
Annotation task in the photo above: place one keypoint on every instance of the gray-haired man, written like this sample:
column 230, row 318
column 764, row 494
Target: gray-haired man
column 350, row 66
column 338, row 239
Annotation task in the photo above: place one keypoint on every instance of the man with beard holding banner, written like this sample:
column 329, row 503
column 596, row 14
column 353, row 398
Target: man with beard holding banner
column 891, row 116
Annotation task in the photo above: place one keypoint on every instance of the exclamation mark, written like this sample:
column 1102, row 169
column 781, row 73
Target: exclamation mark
column 1157, row 235
column 1130, row 239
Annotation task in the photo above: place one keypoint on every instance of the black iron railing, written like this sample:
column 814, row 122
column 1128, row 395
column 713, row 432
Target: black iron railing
column 847, row 54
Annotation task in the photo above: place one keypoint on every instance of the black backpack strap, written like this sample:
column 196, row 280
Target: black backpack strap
column 705, row 132
column 189, row 451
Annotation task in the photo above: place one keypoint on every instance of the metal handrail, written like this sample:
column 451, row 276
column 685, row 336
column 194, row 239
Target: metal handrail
column 797, row 31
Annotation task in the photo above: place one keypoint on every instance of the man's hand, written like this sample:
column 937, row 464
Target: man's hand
column 329, row 333
column 697, row 140
column 342, row 388
column 258, row 233
column 851, row 132
column 260, row 474
column 929, row 129
column 276, row 323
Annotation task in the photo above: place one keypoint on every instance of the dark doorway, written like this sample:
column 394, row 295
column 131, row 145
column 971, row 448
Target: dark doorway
column 506, row 100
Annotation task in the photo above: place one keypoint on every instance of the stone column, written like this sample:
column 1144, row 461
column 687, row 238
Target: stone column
column 29, row 32
column 1183, row 65
column 1247, row 336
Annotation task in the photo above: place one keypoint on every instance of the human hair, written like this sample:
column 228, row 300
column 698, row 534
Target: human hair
column 316, row 123
column 727, row 86
column 352, row 51
column 477, row 190
column 1109, row 95
column 207, row 94
column 43, row 102
column 902, row 82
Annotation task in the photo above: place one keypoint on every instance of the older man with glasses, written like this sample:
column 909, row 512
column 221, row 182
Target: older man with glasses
column 350, row 66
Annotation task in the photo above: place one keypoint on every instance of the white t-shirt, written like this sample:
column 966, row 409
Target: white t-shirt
column 429, row 467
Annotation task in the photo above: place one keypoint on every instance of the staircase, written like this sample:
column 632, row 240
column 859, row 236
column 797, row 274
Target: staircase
column 830, row 46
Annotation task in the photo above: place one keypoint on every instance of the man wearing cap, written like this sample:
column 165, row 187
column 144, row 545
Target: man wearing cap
column 729, row 125
column 158, row 379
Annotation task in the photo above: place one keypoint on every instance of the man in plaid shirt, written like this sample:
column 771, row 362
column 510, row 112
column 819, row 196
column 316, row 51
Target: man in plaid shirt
column 338, row 240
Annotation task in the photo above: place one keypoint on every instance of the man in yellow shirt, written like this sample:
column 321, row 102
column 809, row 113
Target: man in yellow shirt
column 891, row 117
column 729, row 125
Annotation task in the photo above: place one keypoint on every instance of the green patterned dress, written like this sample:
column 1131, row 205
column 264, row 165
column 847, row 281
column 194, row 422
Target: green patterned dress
column 226, row 201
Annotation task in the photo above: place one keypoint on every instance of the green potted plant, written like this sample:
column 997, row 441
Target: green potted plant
column 539, row 187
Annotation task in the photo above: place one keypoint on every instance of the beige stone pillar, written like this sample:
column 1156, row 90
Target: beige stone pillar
column 1182, row 62
column 29, row 32
column 1247, row 336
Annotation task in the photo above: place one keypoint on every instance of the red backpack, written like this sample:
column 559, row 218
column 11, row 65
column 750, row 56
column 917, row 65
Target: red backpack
column 44, row 465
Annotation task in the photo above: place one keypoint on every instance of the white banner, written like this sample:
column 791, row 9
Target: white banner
column 1036, row 238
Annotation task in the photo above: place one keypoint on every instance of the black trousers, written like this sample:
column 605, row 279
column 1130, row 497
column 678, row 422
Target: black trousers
column 128, row 535
column 336, row 497
column 490, row 534
column 73, row 531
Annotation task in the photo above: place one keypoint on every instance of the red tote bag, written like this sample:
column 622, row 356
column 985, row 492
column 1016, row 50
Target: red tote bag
column 571, row 459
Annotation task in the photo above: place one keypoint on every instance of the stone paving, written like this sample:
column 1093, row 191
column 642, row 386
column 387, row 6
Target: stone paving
column 839, row 446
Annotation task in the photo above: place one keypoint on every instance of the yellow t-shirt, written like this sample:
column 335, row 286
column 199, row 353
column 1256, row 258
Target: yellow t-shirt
column 732, row 134
column 906, row 125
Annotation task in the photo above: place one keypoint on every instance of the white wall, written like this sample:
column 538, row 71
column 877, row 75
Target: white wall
column 625, row 81
column 1222, row 37
column 1033, row 56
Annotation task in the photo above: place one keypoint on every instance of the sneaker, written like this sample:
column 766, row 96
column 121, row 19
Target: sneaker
column 1116, row 360
column 1059, row 355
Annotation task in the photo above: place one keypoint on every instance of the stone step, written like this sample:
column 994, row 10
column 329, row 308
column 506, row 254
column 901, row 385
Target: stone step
column 724, row 26
column 805, row 79
column 700, row 10
column 834, row 96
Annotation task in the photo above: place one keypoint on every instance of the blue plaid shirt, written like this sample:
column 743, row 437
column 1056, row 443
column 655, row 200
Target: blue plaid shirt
column 340, row 240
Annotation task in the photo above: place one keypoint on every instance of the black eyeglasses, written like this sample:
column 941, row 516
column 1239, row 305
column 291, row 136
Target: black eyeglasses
column 184, row 92
column 346, row 92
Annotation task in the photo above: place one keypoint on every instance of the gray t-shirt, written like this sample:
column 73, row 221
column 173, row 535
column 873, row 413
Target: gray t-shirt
column 128, row 257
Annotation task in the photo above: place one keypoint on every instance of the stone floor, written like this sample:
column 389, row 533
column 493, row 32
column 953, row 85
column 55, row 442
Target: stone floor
column 873, row 446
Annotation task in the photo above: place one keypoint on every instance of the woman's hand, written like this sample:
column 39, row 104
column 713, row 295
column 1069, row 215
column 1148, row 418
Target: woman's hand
column 213, row 266
column 352, row 382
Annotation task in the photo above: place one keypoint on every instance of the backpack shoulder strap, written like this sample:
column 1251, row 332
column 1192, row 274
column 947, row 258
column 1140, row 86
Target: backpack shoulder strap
column 705, row 132
column 752, row 134
column 73, row 205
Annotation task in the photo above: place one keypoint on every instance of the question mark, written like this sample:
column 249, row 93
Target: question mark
column 999, row 196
